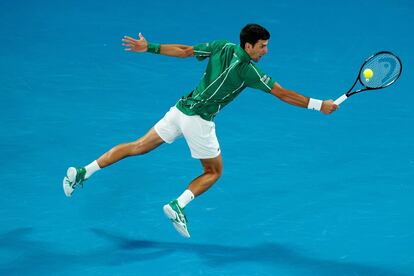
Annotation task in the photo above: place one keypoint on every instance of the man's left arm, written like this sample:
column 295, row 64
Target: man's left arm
column 142, row 45
column 296, row 99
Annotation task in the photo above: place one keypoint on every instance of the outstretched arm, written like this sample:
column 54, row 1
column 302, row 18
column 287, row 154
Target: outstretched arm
column 141, row 45
column 294, row 98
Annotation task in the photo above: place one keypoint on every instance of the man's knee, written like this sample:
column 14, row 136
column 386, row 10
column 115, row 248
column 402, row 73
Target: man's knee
column 213, row 167
column 214, row 171
column 139, row 147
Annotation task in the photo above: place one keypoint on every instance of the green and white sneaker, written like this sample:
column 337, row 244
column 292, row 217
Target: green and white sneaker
column 74, row 177
column 176, row 214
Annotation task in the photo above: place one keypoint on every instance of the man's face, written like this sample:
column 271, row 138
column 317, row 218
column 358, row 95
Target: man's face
column 257, row 50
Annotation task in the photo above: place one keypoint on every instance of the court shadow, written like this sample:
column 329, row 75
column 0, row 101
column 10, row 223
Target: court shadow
column 21, row 255
column 221, row 255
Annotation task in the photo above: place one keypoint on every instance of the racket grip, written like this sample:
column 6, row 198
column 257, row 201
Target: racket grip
column 341, row 99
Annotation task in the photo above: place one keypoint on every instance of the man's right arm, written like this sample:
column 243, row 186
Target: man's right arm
column 257, row 79
column 294, row 98
column 141, row 45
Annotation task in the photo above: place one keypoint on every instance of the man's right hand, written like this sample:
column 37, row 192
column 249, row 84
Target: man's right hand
column 328, row 107
column 135, row 45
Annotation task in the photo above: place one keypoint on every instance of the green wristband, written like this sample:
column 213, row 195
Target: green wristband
column 153, row 48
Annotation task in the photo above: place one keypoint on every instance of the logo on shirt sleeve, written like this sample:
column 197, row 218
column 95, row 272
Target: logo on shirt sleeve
column 265, row 79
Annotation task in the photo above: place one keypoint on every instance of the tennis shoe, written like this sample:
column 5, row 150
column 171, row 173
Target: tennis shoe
column 176, row 214
column 74, row 177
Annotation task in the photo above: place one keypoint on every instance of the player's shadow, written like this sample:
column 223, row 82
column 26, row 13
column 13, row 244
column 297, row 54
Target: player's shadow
column 34, row 257
column 220, row 255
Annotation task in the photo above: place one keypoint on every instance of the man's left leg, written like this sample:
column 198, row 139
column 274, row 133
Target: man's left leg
column 175, row 209
column 76, row 176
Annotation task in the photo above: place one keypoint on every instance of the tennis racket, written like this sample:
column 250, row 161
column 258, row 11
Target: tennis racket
column 378, row 71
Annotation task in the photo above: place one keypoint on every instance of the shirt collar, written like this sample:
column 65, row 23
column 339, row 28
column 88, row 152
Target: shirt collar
column 241, row 53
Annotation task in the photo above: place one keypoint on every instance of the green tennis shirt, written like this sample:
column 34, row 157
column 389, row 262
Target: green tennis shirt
column 229, row 71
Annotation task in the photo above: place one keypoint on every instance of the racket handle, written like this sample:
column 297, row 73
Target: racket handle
column 341, row 99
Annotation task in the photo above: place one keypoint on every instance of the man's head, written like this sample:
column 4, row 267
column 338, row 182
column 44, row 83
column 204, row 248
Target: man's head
column 254, row 39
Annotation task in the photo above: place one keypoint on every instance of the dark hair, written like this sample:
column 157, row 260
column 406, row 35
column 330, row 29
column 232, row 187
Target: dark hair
column 252, row 33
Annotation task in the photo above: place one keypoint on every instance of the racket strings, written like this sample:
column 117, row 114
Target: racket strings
column 386, row 68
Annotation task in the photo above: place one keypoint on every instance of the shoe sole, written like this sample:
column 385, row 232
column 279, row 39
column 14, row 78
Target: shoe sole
column 70, row 177
column 171, row 214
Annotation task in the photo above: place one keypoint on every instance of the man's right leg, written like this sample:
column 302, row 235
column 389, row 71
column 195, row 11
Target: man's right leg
column 76, row 176
column 175, row 209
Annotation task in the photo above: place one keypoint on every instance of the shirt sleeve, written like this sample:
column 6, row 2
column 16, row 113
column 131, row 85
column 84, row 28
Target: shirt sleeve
column 257, row 79
column 205, row 50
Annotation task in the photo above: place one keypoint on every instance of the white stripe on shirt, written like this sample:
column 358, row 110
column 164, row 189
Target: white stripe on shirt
column 260, row 77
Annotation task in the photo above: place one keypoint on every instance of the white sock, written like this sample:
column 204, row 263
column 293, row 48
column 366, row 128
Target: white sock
column 185, row 198
column 91, row 169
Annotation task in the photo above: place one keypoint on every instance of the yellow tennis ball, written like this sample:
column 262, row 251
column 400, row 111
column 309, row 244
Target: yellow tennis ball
column 368, row 73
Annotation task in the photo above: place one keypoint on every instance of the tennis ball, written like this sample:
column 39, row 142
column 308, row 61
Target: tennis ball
column 368, row 73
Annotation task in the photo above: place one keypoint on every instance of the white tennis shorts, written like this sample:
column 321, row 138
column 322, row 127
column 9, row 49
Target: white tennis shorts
column 200, row 134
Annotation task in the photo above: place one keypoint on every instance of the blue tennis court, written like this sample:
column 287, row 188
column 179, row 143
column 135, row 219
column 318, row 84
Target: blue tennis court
column 301, row 193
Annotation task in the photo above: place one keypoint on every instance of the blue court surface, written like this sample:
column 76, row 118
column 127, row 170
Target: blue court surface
column 301, row 193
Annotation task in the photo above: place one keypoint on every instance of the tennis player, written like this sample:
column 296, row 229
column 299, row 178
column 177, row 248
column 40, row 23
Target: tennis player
column 230, row 69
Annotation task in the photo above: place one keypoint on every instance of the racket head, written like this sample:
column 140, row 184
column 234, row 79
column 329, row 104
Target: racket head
column 386, row 68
